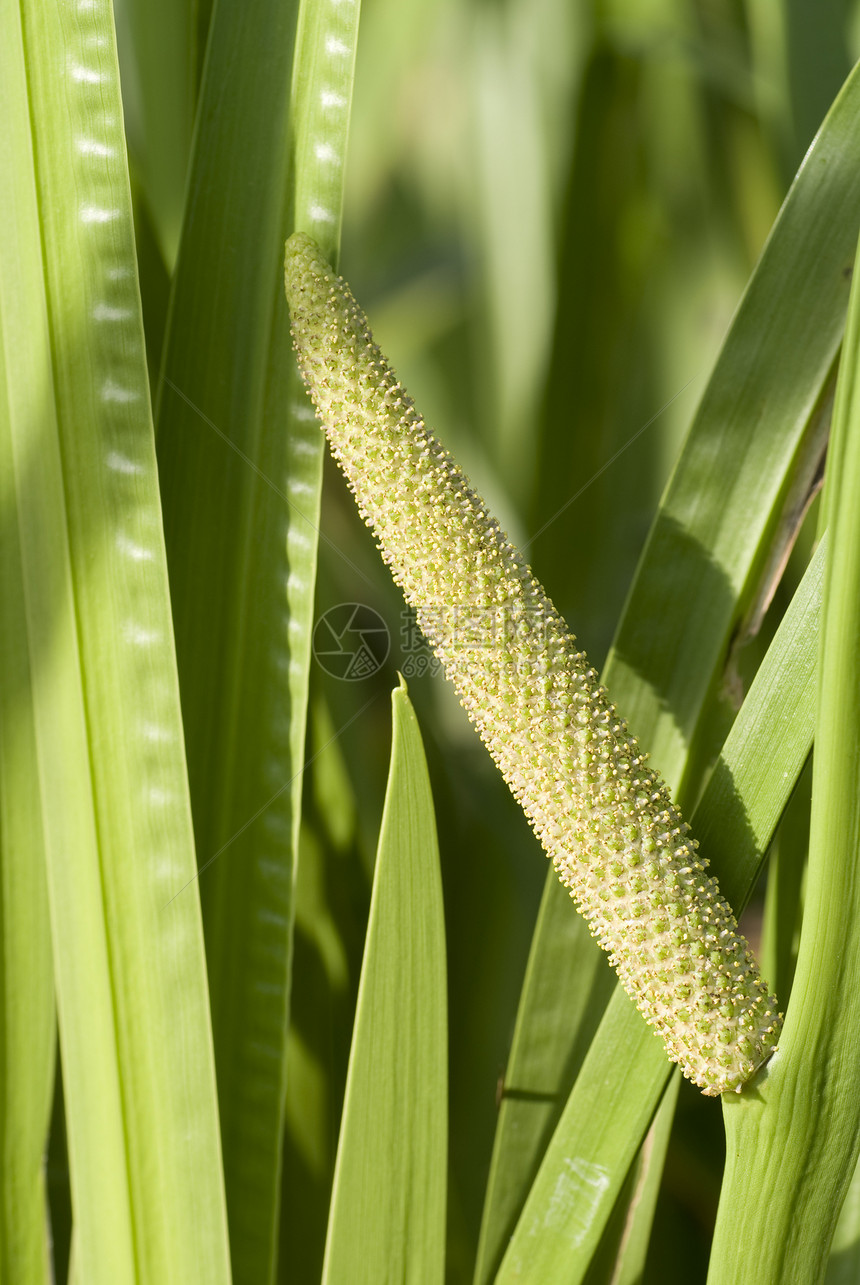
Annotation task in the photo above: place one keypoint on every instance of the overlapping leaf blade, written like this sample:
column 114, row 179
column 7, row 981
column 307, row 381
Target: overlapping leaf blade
column 626, row 1065
column 240, row 461
column 27, row 1018
column 160, row 60
column 751, row 446
column 797, row 1138
column 98, row 711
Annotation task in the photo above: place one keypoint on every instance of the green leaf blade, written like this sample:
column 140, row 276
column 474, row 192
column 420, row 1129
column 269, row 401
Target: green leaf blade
column 28, row 1016
column 625, row 1070
column 160, row 61
column 750, row 445
column 324, row 71
column 800, row 1122
column 114, row 817
column 387, row 1218
column 546, row 1058
column 226, row 509
column 240, row 461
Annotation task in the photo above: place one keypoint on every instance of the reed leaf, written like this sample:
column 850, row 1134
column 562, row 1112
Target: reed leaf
column 98, row 709
column 387, row 1219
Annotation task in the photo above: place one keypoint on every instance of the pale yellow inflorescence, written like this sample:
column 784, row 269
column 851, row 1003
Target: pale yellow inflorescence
column 615, row 837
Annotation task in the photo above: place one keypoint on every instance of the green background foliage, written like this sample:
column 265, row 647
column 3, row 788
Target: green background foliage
column 554, row 215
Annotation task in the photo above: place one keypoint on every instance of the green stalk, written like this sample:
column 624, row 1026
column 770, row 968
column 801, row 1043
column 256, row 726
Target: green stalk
column 792, row 1147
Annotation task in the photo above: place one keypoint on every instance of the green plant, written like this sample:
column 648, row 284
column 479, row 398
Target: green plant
column 605, row 819
column 551, row 211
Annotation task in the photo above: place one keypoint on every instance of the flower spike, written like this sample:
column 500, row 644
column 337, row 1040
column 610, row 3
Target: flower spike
column 606, row 819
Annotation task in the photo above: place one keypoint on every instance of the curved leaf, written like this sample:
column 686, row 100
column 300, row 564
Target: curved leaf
column 802, row 1122
column 749, row 456
column 618, row 1089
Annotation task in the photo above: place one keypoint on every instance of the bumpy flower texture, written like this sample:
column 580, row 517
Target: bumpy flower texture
column 605, row 818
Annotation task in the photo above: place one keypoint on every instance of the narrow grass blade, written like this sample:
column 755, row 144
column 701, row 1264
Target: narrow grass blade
column 792, row 1146
column 767, row 748
column 783, row 904
column 587, row 1160
column 710, row 543
column 387, row 1218
column 712, row 536
column 323, row 74
column 546, row 1057
column 27, row 1016
column 87, row 564
column 602, row 353
column 629, row 1267
column 512, row 182
column 625, row 1070
column 817, row 60
column 624, row 1243
column 241, row 494
column 321, row 103
column 224, row 465
column 160, row 62
column 800, row 59
column 59, row 1186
